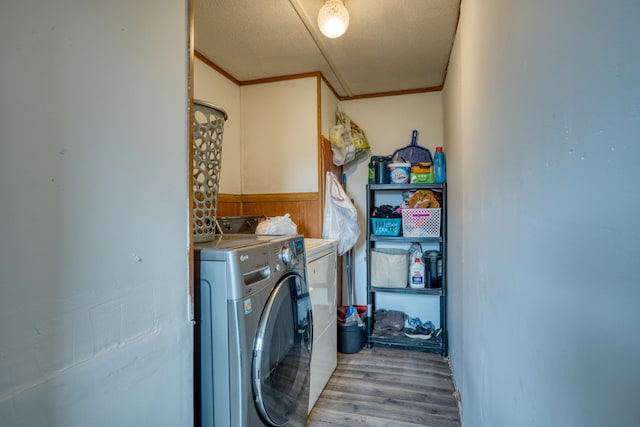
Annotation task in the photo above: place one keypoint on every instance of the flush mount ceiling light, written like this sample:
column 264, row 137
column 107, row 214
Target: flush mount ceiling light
column 333, row 18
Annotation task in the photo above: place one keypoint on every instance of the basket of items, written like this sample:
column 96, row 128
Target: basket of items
column 386, row 226
column 386, row 221
column 422, row 217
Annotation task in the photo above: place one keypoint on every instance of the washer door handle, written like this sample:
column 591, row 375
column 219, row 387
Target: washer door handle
column 310, row 329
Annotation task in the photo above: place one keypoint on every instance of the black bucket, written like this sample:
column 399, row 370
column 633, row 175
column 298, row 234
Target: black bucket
column 352, row 336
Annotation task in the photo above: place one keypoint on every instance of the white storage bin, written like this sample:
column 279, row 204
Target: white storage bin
column 421, row 222
column 389, row 267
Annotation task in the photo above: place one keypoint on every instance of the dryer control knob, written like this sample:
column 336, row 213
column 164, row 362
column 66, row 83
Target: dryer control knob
column 285, row 255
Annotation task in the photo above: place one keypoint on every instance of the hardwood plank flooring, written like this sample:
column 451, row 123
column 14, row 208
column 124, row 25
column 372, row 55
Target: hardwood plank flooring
column 382, row 386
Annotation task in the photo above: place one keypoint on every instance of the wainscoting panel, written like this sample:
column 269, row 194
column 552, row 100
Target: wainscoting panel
column 303, row 208
column 229, row 205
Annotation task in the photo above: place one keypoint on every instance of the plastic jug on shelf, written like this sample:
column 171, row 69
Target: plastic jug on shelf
column 440, row 166
column 416, row 267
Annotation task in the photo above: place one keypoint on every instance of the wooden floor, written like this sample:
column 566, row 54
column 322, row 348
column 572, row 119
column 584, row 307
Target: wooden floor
column 381, row 387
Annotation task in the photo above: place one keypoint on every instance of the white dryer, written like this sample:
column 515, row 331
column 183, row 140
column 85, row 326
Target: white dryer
column 321, row 272
column 254, row 332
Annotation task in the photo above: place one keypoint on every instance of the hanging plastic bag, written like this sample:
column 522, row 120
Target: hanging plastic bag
column 277, row 225
column 348, row 141
column 356, row 134
column 340, row 216
column 341, row 146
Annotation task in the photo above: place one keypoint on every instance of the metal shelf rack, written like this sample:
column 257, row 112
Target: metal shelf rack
column 397, row 338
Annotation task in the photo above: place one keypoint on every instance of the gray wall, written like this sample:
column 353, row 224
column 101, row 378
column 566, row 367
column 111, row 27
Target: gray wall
column 542, row 110
column 94, row 321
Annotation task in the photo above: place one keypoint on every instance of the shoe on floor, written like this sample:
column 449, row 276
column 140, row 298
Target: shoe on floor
column 419, row 332
column 414, row 322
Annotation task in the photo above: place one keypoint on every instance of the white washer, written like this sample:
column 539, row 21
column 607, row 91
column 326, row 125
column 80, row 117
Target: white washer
column 321, row 273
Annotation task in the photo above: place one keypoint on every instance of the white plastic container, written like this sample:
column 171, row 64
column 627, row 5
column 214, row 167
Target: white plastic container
column 416, row 274
column 399, row 172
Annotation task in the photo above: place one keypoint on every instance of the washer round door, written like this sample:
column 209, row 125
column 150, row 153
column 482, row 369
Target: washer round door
column 282, row 354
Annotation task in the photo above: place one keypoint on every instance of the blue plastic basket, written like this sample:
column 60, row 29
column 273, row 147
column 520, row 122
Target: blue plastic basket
column 386, row 226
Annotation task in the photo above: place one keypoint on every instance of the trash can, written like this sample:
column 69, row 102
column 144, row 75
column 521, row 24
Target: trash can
column 352, row 336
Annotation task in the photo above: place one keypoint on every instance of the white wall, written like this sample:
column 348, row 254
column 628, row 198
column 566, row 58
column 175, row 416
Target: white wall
column 270, row 135
column 329, row 105
column 94, row 206
column 388, row 123
column 280, row 137
column 541, row 104
column 211, row 86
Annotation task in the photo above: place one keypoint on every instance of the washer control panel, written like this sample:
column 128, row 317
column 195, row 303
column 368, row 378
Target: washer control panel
column 291, row 252
column 286, row 255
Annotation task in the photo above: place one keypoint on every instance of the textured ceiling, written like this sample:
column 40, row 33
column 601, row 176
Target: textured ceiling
column 390, row 45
